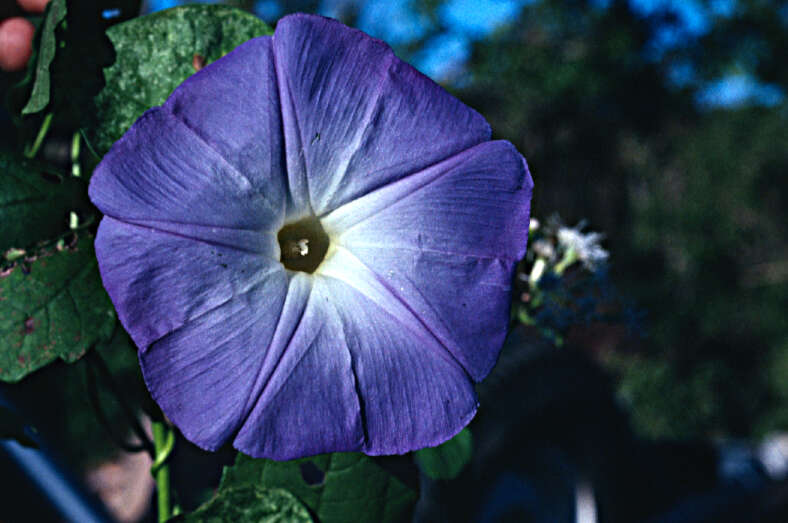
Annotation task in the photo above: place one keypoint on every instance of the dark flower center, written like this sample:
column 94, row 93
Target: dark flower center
column 303, row 244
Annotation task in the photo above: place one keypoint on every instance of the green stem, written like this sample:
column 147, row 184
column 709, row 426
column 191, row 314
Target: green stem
column 89, row 147
column 42, row 132
column 75, row 168
column 163, row 440
column 570, row 257
column 536, row 272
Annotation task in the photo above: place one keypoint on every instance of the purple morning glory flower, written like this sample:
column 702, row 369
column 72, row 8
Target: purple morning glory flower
column 312, row 244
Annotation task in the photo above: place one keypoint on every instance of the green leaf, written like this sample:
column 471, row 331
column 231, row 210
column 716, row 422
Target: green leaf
column 447, row 460
column 251, row 504
column 34, row 208
column 52, row 307
column 156, row 53
column 65, row 73
column 342, row 487
column 45, row 54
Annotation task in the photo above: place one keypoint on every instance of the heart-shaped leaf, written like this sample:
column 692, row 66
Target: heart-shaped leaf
column 53, row 306
column 341, row 487
column 156, row 53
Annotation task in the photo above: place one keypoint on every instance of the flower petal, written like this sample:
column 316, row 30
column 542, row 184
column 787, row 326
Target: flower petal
column 414, row 393
column 159, row 281
column 359, row 373
column 309, row 403
column 162, row 174
column 205, row 374
column 355, row 116
column 233, row 105
column 445, row 241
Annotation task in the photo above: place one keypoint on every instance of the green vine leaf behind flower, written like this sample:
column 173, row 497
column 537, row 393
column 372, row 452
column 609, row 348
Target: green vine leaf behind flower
column 447, row 460
column 251, row 504
column 52, row 307
column 337, row 488
column 33, row 208
column 156, row 53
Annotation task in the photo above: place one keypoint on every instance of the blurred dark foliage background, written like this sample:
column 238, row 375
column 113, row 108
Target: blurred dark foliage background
column 692, row 197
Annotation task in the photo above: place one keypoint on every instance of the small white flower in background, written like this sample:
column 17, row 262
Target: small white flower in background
column 585, row 246
column 544, row 249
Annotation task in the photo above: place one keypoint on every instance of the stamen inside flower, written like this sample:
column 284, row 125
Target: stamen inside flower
column 303, row 245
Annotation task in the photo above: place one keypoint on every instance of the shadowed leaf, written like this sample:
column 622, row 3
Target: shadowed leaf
column 447, row 460
column 353, row 486
column 33, row 208
column 52, row 307
column 251, row 504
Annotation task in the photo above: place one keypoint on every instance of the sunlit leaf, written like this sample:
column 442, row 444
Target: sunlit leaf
column 155, row 53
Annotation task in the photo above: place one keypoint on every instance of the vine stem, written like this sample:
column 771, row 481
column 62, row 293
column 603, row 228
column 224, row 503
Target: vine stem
column 31, row 151
column 163, row 437
column 75, row 167
column 163, row 441
column 570, row 257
